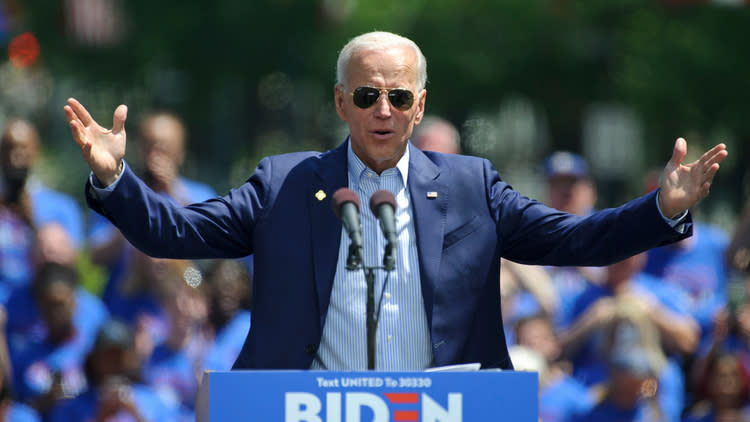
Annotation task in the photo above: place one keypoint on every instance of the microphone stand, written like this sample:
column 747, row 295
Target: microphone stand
column 372, row 323
column 354, row 264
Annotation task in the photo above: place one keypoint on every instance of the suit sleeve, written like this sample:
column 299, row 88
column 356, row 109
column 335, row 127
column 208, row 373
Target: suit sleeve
column 532, row 233
column 216, row 228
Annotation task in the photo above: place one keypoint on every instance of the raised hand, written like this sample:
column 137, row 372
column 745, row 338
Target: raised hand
column 102, row 149
column 684, row 185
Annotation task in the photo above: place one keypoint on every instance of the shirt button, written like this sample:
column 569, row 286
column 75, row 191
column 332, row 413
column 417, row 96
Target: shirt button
column 390, row 338
column 387, row 295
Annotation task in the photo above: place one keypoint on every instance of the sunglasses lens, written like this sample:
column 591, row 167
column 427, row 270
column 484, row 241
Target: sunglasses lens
column 365, row 96
column 402, row 99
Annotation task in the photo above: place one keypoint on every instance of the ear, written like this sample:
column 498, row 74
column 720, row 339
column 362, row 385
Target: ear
column 420, row 106
column 338, row 97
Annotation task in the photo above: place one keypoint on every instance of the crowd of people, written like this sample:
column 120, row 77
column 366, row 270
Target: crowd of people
column 137, row 349
column 661, row 336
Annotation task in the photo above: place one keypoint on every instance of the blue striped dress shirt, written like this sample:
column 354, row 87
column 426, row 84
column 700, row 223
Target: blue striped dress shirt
column 403, row 337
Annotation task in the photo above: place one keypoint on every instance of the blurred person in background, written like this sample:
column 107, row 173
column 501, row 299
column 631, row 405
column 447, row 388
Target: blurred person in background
column 723, row 389
column 174, row 368
column 626, row 293
column 229, row 288
column 570, row 188
column 628, row 395
column 115, row 392
column 731, row 325
column 48, row 365
column 561, row 397
column 140, row 298
column 696, row 265
column 52, row 246
column 436, row 134
column 526, row 290
column 10, row 409
column 22, row 192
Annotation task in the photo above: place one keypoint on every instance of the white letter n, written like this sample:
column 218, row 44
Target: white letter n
column 433, row 412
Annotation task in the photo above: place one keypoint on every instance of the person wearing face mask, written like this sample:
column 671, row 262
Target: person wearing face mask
column 26, row 203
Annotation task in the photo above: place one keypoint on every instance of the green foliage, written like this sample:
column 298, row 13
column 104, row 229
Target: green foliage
column 682, row 69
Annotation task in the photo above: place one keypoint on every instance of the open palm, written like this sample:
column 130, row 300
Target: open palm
column 684, row 185
column 102, row 149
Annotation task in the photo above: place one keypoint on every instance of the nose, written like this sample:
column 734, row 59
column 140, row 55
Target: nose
column 383, row 106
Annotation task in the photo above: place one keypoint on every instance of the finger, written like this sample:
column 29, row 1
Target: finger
column 679, row 152
column 118, row 120
column 716, row 158
column 79, row 133
column 704, row 190
column 709, row 176
column 69, row 114
column 81, row 112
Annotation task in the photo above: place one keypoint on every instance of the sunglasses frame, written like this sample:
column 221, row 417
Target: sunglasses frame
column 388, row 91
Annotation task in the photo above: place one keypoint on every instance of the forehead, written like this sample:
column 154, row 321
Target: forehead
column 386, row 67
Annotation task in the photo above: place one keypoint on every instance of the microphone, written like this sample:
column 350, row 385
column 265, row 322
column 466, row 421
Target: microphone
column 345, row 204
column 383, row 205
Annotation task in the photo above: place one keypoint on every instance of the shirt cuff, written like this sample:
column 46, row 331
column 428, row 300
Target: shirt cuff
column 98, row 191
column 677, row 223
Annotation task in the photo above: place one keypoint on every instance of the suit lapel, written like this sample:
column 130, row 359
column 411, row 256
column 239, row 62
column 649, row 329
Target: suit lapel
column 429, row 200
column 330, row 172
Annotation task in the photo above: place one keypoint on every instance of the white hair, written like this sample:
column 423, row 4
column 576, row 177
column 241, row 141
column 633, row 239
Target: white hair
column 377, row 41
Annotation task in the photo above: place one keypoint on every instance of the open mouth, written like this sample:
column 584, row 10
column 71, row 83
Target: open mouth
column 382, row 132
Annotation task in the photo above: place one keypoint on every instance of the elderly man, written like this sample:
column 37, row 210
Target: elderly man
column 455, row 219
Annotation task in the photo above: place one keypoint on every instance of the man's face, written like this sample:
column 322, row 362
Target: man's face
column 379, row 134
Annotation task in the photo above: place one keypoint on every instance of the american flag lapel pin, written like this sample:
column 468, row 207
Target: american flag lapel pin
column 432, row 195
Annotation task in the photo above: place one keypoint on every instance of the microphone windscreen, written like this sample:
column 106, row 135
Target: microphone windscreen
column 379, row 198
column 342, row 196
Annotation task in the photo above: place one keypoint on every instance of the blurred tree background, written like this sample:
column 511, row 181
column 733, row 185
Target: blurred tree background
column 617, row 81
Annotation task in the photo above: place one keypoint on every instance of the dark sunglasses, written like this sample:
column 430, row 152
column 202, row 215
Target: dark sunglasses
column 366, row 96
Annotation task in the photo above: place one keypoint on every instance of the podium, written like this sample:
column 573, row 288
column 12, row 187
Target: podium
column 323, row 396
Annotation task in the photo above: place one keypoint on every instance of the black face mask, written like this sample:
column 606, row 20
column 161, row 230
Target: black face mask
column 14, row 181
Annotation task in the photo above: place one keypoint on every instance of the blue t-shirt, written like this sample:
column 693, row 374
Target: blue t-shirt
column 24, row 319
column 18, row 412
column 228, row 343
column 48, row 206
column 173, row 373
column 564, row 400
column 16, row 240
column 36, row 364
column 696, row 265
column 643, row 285
column 83, row 408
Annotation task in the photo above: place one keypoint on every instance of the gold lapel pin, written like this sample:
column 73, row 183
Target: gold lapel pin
column 431, row 195
column 320, row 195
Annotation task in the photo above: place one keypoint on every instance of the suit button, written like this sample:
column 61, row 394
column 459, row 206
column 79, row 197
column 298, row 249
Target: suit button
column 310, row 349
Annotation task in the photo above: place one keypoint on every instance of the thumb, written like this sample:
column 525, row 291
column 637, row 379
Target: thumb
column 118, row 121
column 678, row 153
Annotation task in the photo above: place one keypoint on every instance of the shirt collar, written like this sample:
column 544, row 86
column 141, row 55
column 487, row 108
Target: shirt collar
column 356, row 167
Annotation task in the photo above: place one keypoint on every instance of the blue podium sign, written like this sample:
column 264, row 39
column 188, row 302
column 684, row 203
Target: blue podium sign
column 321, row 396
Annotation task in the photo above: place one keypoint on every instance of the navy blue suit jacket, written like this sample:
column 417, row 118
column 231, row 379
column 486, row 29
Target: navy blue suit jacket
column 475, row 219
